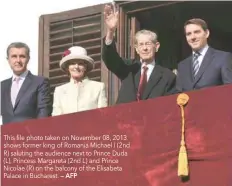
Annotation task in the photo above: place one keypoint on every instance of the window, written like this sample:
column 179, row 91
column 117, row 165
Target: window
column 60, row 31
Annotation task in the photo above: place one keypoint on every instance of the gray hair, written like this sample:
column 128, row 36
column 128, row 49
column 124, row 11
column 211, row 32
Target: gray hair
column 18, row 45
column 152, row 35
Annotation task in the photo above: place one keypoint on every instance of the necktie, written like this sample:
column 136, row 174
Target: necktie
column 196, row 64
column 14, row 90
column 142, row 83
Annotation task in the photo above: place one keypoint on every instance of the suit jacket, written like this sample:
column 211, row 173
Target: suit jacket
column 216, row 69
column 33, row 99
column 161, row 81
column 70, row 97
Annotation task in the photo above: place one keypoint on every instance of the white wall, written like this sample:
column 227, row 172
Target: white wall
column 20, row 22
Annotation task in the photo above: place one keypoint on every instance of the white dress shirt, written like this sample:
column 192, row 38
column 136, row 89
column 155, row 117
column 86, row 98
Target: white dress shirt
column 202, row 52
column 150, row 67
column 21, row 78
column 14, row 91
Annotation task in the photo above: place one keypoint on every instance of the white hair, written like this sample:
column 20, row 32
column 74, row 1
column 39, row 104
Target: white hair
column 153, row 36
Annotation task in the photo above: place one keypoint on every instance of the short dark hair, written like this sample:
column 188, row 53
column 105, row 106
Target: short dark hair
column 197, row 21
column 18, row 45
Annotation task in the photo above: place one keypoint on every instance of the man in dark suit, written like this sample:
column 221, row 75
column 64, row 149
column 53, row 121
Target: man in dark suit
column 206, row 67
column 142, row 79
column 23, row 96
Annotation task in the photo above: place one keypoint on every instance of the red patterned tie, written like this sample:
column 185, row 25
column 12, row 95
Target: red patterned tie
column 142, row 83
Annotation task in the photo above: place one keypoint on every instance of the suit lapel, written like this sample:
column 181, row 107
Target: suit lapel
column 75, row 95
column 69, row 97
column 7, row 95
column 137, row 79
column 206, row 61
column 153, row 80
column 81, row 89
column 23, row 88
column 190, row 69
column 136, row 71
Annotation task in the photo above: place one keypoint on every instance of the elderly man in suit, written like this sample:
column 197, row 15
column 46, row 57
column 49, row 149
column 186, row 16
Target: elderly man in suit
column 206, row 67
column 140, row 79
column 81, row 93
column 23, row 96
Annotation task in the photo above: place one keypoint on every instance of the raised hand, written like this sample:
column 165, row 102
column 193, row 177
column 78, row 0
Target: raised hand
column 111, row 17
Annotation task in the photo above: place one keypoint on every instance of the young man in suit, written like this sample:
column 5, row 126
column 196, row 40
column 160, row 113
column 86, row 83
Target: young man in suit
column 142, row 79
column 23, row 96
column 206, row 67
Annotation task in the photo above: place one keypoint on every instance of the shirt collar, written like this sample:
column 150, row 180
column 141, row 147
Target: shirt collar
column 152, row 64
column 202, row 51
column 21, row 76
column 72, row 81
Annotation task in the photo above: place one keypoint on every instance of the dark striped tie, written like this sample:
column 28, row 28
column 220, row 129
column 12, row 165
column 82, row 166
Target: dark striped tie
column 196, row 64
column 142, row 83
